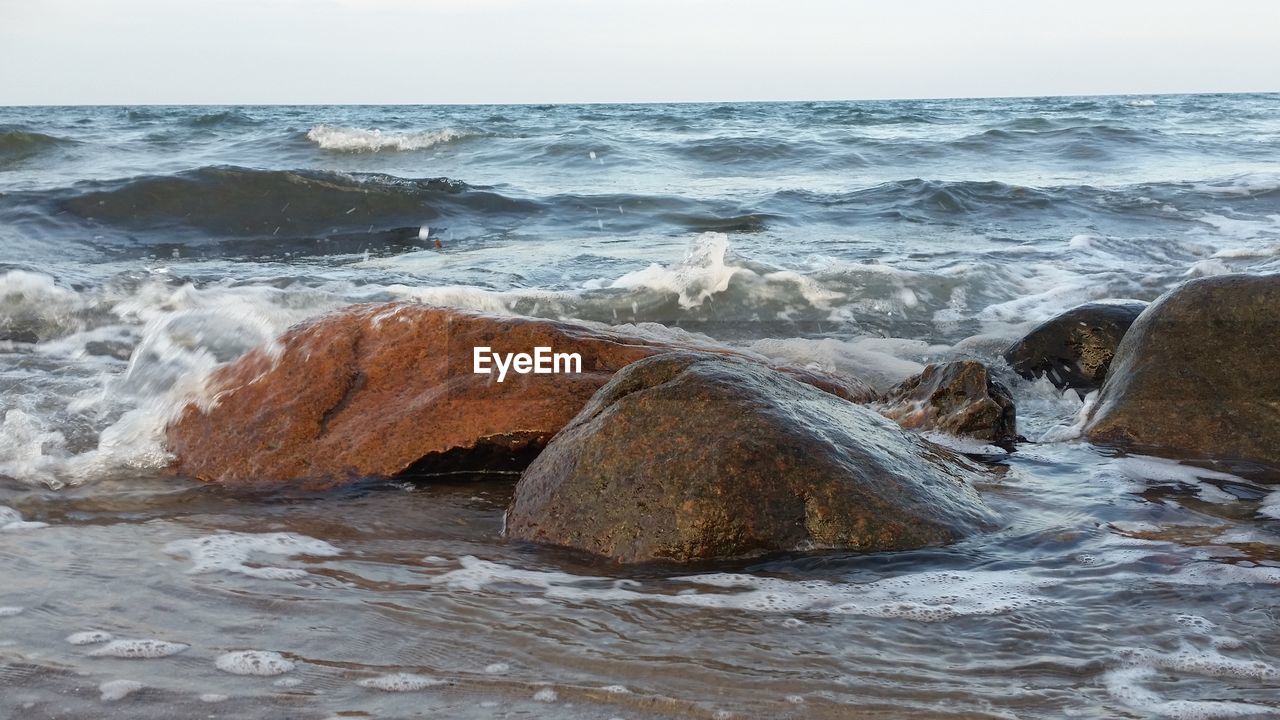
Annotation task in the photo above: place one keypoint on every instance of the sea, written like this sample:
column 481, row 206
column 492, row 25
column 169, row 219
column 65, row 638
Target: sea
column 140, row 247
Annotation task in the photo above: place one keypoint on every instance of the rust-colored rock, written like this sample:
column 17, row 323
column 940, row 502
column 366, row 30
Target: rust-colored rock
column 691, row 456
column 957, row 398
column 388, row 389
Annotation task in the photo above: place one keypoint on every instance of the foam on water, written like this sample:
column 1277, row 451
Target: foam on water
column 1270, row 506
column 923, row 597
column 35, row 308
column 880, row 362
column 264, row 663
column 29, row 449
column 1142, row 467
column 400, row 682
column 90, row 637
column 706, row 271
column 139, row 649
column 1243, row 229
column 173, row 335
column 10, row 520
column 546, row 695
column 1136, row 667
column 10, row 611
column 231, row 552
column 358, row 140
column 113, row 690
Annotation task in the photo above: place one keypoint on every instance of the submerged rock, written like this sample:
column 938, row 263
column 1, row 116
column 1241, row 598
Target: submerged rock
column 957, row 398
column 690, row 456
column 389, row 389
column 1075, row 348
column 1198, row 376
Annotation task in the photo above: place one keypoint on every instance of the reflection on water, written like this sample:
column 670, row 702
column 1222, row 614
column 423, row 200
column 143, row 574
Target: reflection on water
column 1135, row 588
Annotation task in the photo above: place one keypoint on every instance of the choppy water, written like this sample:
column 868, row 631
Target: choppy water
column 141, row 246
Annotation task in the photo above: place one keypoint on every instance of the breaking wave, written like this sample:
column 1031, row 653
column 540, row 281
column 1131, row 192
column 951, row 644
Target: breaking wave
column 360, row 140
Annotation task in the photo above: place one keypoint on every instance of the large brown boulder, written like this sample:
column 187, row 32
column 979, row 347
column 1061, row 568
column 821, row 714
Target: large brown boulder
column 690, row 456
column 389, row 389
column 957, row 398
column 1075, row 348
column 1198, row 376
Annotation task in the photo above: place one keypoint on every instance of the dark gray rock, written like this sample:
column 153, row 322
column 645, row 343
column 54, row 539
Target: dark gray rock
column 689, row 456
column 1075, row 348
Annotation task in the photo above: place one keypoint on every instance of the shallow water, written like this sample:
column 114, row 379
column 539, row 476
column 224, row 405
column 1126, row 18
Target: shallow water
column 142, row 246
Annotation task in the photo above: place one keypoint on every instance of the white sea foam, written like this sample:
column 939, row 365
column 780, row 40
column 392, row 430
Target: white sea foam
column 924, row 597
column 1082, row 242
column 1247, row 184
column 254, row 662
column 347, row 139
column 36, row 303
column 113, row 690
column 30, row 449
column 11, row 521
column 139, row 649
column 173, row 337
column 546, row 695
column 1207, row 268
column 10, row 611
column 1242, row 229
column 1235, row 253
column 90, row 637
column 1127, row 682
column 231, row 552
column 1147, row 468
column 880, row 362
column 1270, row 506
column 703, row 273
column 400, row 682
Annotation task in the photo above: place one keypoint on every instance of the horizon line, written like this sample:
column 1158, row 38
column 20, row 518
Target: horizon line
column 938, row 98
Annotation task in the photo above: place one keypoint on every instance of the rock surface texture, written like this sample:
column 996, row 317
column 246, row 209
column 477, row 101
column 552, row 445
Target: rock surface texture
column 389, row 389
column 689, row 456
column 1198, row 376
column 957, row 398
column 1075, row 348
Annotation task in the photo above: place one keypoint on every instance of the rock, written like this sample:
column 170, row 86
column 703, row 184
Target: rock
column 1198, row 376
column 388, row 389
column 1075, row 348
column 689, row 456
column 958, row 398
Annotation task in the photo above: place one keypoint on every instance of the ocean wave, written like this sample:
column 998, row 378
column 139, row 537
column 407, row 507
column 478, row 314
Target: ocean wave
column 1099, row 138
column 244, row 202
column 225, row 117
column 922, row 200
column 744, row 149
column 255, row 213
column 18, row 144
column 359, row 140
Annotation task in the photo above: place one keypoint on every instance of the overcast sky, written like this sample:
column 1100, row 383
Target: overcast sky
column 461, row 51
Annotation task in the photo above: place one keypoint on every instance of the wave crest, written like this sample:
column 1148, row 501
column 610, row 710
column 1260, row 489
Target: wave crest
column 359, row 140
